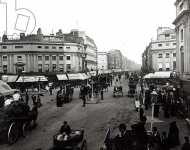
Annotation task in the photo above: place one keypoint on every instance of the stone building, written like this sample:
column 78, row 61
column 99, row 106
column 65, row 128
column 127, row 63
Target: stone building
column 163, row 50
column 102, row 61
column 42, row 53
column 182, row 23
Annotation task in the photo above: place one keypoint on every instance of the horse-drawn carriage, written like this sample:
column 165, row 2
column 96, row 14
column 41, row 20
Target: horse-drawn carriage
column 15, row 120
column 75, row 141
column 117, row 91
column 132, row 87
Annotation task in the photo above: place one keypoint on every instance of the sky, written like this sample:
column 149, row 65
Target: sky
column 127, row 25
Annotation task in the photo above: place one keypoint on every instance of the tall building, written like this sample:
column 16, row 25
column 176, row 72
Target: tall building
column 163, row 50
column 160, row 54
column 90, row 49
column 102, row 61
column 182, row 23
column 115, row 59
column 42, row 53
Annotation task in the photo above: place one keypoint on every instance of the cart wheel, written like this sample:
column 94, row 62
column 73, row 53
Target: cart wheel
column 13, row 133
column 84, row 145
column 24, row 129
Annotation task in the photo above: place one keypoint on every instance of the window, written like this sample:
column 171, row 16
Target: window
column 68, row 47
column 5, row 68
column 68, row 57
column 159, row 55
column 4, row 58
column 174, row 65
column 46, row 58
column 167, row 55
column 167, row 67
column 159, row 45
column 60, row 47
column 174, row 54
column 173, row 37
column 160, row 67
column 68, row 67
column 181, row 34
column 19, row 46
column 167, row 35
column 46, row 47
column 60, row 57
column 181, row 6
column 174, row 44
column 54, row 58
column 4, row 47
column 61, row 68
column 46, row 67
column 78, row 48
column 54, row 67
column 19, row 58
column 39, row 67
column 39, row 58
column 39, row 46
column 167, row 44
column 53, row 47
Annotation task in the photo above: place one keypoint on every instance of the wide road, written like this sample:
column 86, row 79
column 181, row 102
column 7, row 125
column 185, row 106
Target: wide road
column 94, row 118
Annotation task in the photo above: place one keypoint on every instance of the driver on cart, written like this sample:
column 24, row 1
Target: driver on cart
column 65, row 128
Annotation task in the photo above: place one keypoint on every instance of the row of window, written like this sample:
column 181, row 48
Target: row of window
column 46, row 68
column 39, row 47
column 167, row 55
column 167, row 66
column 167, row 44
column 54, row 58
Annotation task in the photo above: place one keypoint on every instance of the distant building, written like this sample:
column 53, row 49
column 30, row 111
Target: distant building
column 182, row 23
column 115, row 59
column 42, row 53
column 163, row 50
column 147, row 60
column 102, row 61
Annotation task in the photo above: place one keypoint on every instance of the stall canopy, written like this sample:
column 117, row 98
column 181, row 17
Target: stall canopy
column 158, row 75
column 74, row 76
column 5, row 89
column 32, row 79
column 9, row 78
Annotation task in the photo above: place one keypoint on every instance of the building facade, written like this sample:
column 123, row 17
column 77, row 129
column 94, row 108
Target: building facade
column 102, row 61
column 163, row 50
column 182, row 23
column 115, row 59
column 42, row 53
column 91, row 50
column 147, row 60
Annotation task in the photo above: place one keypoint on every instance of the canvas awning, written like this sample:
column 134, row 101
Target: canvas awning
column 61, row 77
column 158, row 75
column 9, row 78
column 73, row 76
column 32, row 79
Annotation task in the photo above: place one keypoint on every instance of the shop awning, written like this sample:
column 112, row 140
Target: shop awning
column 32, row 79
column 61, row 77
column 9, row 78
column 158, row 75
column 73, row 76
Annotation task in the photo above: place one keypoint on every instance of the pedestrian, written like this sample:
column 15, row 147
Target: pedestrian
column 137, row 104
column 164, row 141
column 156, row 136
column 102, row 93
column 59, row 99
column 141, row 114
column 186, row 145
column 34, row 100
column 26, row 97
column 65, row 128
column 173, row 135
column 39, row 101
column 83, row 94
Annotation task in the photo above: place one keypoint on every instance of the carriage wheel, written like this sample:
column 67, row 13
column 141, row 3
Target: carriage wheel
column 84, row 145
column 13, row 133
column 24, row 129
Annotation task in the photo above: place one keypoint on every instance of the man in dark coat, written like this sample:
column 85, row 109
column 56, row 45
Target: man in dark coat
column 83, row 94
column 186, row 145
column 173, row 135
column 65, row 128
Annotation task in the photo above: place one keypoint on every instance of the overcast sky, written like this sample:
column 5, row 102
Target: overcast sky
column 127, row 25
